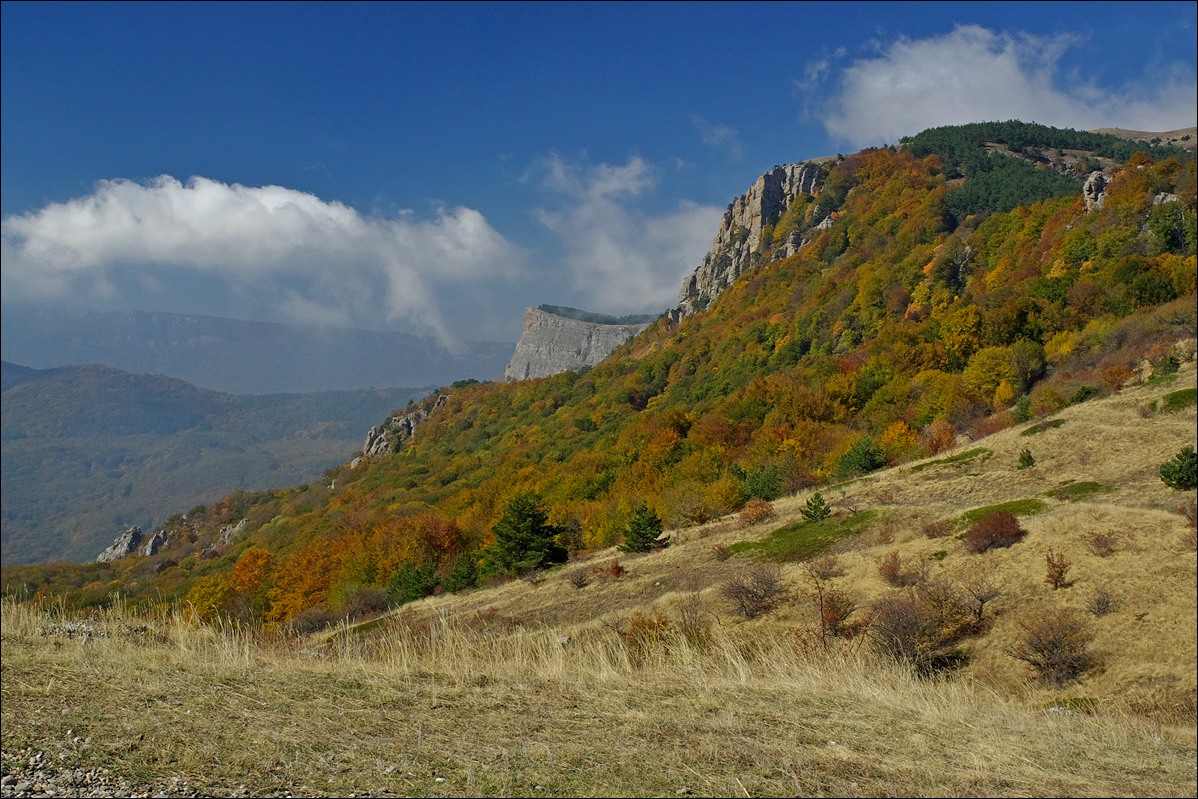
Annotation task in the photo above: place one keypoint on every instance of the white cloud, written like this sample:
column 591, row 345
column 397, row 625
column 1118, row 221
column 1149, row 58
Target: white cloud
column 974, row 74
column 622, row 259
column 718, row 137
column 305, row 259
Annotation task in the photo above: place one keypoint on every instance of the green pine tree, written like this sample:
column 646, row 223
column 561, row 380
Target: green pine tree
column 1181, row 473
column 524, row 538
column 816, row 509
column 643, row 531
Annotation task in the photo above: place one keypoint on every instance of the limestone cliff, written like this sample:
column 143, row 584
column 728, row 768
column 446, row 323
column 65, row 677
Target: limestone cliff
column 551, row 343
column 738, row 242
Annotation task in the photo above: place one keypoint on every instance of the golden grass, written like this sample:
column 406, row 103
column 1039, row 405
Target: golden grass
column 492, row 713
column 475, row 695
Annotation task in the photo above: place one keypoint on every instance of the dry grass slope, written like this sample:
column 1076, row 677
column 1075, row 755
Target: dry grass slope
column 662, row 689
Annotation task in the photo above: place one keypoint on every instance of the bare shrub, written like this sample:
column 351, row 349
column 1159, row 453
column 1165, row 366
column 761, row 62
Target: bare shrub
column 1101, row 602
column 834, row 608
column 721, row 552
column 1101, row 542
column 1189, row 512
column 364, row 602
column 1056, row 644
column 690, row 508
column 1000, row 529
column 891, row 570
column 824, row 567
column 1057, row 572
column 937, row 437
column 980, row 587
column 1114, row 377
column 612, row 571
column 906, row 629
column 920, row 627
column 579, row 578
column 756, row 511
column 755, row 592
column 311, row 621
column 938, row 528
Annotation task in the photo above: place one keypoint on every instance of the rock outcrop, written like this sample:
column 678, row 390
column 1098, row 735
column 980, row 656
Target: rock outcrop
column 388, row 436
column 1094, row 190
column 738, row 242
column 125, row 544
column 551, row 344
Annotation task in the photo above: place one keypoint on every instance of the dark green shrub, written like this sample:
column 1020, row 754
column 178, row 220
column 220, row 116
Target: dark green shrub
column 1181, row 473
column 816, row 509
column 1084, row 393
column 464, row 573
column 410, row 582
column 1022, row 412
column 643, row 532
column 865, row 456
column 1026, row 459
column 1166, row 365
column 764, row 482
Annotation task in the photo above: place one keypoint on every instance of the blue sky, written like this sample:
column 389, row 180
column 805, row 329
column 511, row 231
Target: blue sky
column 437, row 167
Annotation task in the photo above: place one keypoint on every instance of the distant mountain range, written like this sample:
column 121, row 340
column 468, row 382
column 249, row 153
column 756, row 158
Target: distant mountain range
column 238, row 356
column 90, row 450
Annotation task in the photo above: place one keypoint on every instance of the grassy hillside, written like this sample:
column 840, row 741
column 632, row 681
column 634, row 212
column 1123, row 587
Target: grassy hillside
column 663, row 686
column 90, row 451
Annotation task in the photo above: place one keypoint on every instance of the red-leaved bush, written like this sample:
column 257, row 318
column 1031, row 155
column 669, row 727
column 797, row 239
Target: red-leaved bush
column 999, row 529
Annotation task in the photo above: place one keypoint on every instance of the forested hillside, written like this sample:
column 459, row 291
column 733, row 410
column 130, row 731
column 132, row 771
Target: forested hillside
column 937, row 295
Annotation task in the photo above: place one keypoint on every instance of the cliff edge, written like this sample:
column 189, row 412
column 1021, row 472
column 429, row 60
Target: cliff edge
column 551, row 344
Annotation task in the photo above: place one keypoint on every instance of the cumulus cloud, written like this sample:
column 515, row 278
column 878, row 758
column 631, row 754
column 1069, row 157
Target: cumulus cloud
column 622, row 259
column 305, row 259
column 974, row 74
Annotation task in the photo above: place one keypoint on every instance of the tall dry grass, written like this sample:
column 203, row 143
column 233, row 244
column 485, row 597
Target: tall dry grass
column 441, row 708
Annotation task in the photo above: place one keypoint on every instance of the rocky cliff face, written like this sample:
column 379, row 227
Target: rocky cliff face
column 551, row 344
column 738, row 242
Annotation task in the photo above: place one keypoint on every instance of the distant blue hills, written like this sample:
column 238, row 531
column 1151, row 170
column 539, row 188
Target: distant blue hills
column 237, row 356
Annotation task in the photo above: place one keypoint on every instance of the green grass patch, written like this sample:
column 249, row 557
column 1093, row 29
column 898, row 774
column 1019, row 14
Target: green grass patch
column 1075, row 492
column 956, row 460
column 804, row 540
column 1158, row 379
column 1176, row 401
column 1040, row 427
column 1018, row 507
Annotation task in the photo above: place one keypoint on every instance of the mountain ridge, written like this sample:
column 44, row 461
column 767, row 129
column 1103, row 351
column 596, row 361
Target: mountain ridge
column 91, row 450
column 240, row 356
